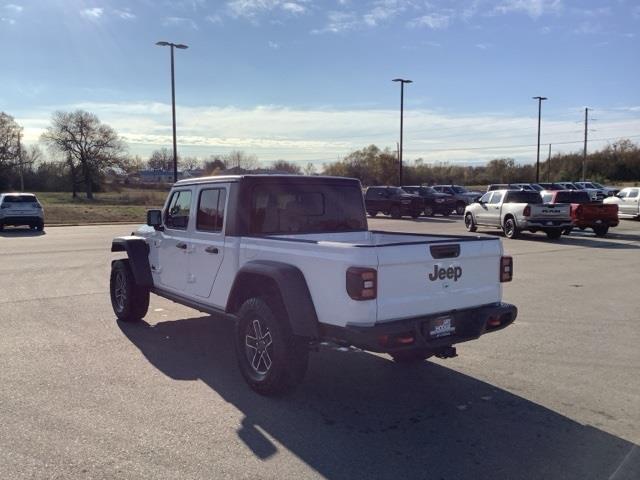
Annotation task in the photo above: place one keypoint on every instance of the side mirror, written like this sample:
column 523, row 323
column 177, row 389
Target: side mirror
column 154, row 219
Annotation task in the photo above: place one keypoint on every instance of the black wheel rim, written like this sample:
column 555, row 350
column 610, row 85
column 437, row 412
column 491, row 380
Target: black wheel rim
column 258, row 347
column 120, row 291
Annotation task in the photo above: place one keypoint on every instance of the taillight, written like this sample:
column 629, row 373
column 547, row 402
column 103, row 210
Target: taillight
column 362, row 283
column 506, row 269
column 527, row 211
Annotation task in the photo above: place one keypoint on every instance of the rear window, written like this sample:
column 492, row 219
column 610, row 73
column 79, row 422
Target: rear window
column 574, row 196
column 523, row 196
column 306, row 208
column 20, row 199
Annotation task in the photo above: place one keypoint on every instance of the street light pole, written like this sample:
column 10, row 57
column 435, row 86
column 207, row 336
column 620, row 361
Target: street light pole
column 402, row 82
column 173, row 104
column 540, row 99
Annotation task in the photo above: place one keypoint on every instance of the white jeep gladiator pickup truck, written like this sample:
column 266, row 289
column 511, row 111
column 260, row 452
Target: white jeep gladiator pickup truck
column 516, row 210
column 291, row 260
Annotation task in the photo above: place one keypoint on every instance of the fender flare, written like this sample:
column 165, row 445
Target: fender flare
column 291, row 285
column 138, row 252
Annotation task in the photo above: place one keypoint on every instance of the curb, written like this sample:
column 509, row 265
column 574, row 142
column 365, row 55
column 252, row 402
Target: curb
column 98, row 224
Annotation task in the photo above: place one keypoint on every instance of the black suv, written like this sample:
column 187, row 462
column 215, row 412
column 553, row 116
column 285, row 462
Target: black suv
column 434, row 202
column 392, row 201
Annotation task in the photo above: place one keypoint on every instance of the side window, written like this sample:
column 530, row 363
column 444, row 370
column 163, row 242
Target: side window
column 497, row 196
column 633, row 193
column 211, row 209
column 177, row 214
column 485, row 198
column 623, row 194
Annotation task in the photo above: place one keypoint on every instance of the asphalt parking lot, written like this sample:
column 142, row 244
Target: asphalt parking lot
column 556, row 395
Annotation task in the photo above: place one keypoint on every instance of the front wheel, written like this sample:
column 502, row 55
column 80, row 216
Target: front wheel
column 428, row 211
column 567, row 231
column 460, row 206
column 510, row 229
column 130, row 301
column 372, row 213
column 395, row 212
column 415, row 215
column 601, row 230
column 271, row 359
column 469, row 223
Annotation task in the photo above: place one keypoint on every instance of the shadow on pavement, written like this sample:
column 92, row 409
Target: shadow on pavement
column 579, row 240
column 20, row 232
column 358, row 415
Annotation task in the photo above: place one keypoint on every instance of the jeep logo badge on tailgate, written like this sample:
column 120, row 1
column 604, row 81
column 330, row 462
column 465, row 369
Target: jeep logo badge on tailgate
column 441, row 273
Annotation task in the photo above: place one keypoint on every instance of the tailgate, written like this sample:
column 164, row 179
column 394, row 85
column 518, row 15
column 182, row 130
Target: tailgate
column 599, row 211
column 427, row 278
column 551, row 211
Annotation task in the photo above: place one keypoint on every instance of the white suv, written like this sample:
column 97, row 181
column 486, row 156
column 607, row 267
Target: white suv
column 21, row 209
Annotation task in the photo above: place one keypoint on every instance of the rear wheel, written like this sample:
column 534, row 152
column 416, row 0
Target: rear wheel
column 410, row 356
column 130, row 301
column 601, row 230
column 509, row 228
column 446, row 213
column 271, row 359
column 469, row 223
column 372, row 213
column 1, row 227
column 415, row 215
column 395, row 212
column 428, row 211
column 460, row 206
column 554, row 234
column 567, row 231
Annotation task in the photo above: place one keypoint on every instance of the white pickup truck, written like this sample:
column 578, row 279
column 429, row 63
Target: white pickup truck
column 291, row 260
column 516, row 210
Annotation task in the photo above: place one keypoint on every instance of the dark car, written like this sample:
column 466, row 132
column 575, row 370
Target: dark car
column 434, row 202
column 462, row 196
column 392, row 201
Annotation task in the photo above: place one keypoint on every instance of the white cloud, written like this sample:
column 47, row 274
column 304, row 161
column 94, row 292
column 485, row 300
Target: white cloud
column 533, row 8
column 215, row 19
column 10, row 21
column 12, row 7
column 434, row 21
column 251, row 9
column 124, row 14
column 274, row 45
column 92, row 13
column 338, row 22
column 179, row 22
column 324, row 135
column 293, row 7
column 587, row 28
column 483, row 46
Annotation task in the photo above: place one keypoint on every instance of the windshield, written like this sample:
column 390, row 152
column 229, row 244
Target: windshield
column 523, row 196
column 306, row 208
column 589, row 185
column 396, row 191
column 459, row 189
column 572, row 197
column 20, row 199
column 536, row 187
column 597, row 185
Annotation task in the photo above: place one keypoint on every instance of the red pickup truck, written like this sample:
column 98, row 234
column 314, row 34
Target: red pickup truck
column 585, row 213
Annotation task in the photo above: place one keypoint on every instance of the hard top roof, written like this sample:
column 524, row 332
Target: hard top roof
column 262, row 178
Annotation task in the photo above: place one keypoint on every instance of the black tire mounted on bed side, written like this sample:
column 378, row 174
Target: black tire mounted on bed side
column 271, row 358
column 130, row 301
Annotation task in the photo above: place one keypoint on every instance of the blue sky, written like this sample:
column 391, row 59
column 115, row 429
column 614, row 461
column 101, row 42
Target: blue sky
column 310, row 80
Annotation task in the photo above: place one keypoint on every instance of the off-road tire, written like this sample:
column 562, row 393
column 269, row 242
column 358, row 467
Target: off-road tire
column 509, row 228
column 469, row 223
column 554, row 234
column 130, row 301
column 395, row 212
column 287, row 354
column 601, row 231
column 408, row 357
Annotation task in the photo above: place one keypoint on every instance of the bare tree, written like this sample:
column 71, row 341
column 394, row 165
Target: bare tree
column 214, row 164
column 239, row 159
column 161, row 159
column 9, row 141
column 287, row 167
column 309, row 169
column 190, row 163
column 92, row 144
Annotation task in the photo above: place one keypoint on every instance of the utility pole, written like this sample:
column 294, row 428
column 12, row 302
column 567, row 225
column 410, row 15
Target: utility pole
column 173, row 104
column 540, row 99
column 584, row 155
column 20, row 165
column 398, row 157
column 402, row 82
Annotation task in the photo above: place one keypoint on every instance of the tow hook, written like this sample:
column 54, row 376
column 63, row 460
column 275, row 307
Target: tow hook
column 446, row 352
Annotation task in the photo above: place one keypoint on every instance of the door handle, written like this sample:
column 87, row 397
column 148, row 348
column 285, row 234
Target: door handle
column 211, row 250
column 181, row 245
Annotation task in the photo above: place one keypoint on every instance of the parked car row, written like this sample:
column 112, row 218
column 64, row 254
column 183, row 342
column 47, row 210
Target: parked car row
column 416, row 200
column 595, row 190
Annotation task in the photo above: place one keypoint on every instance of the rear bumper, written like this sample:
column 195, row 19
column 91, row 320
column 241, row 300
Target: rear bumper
column 15, row 220
column 599, row 222
column 543, row 224
column 393, row 336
